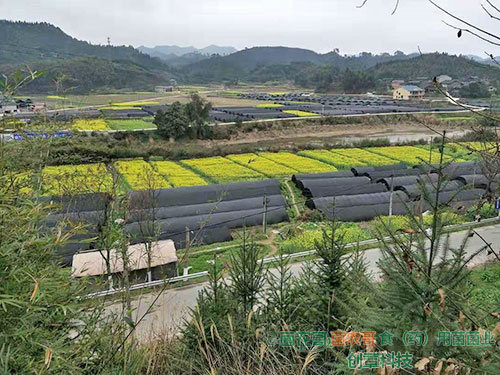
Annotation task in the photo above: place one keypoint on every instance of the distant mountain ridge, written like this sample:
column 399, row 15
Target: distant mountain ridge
column 170, row 52
column 241, row 64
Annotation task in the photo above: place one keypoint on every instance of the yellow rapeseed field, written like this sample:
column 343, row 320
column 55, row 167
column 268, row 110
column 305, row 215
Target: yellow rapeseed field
column 177, row 175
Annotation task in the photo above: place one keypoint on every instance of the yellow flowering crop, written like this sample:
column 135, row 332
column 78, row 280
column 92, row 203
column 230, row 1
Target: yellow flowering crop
column 221, row 170
column 300, row 113
column 177, row 175
column 270, row 105
column 140, row 175
column 369, row 158
column 262, row 165
column 409, row 154
column 134, row 104
column 299, row 163
column 76, row 179
column 340, row 161
column 90, row 124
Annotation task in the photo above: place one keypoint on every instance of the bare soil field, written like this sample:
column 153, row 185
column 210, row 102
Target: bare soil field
column 341, row 133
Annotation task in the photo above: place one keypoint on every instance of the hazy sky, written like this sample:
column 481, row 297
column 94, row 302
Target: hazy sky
column 320, row 25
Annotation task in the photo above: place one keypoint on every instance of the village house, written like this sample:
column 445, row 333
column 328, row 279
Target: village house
column 164, row 89
column 408, row 92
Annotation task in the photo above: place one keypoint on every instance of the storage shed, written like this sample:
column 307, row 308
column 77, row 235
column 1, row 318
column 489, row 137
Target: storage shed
column 163, row 262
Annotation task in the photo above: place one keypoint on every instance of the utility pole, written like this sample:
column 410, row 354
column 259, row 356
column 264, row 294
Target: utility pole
column 264, row 217
column 430, row 151
column 390, row 199
column 109, row 41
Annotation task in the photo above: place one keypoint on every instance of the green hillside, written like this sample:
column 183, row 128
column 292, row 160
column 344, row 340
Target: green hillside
column 435, row 64
column 89, row 67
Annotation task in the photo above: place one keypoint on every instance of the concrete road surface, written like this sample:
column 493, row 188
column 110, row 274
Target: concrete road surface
column 173, row 306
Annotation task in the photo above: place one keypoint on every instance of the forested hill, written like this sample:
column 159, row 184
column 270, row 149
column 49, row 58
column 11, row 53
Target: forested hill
column 23, row 42
column 243, row 64
column 435, row 64
column 85, row 67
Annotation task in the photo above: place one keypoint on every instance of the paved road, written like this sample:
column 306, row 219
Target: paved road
column 173, row 306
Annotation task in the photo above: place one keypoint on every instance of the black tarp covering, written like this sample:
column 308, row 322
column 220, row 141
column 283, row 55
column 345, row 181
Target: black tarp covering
column 77, row 203
column 208, row 211
column 407, row 180
column 479, row 181
column 310, row 176
column 376, row 175
column 205, row 208
column 414, row 191
column 337, row 190
column 93, row 218
column 339, row 182
column 358, row 171
column 203, row 194
column 476, row 180
column 234, row 219
column 454, row 198
column 362, row 207
column 464, row 168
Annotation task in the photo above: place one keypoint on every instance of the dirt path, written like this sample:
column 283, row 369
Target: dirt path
column 292, row 197
column 270, row 242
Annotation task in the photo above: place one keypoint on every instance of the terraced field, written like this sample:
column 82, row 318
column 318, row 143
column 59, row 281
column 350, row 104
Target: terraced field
column 139, row 174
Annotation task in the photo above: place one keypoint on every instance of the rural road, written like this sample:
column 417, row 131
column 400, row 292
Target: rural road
column 173, row 305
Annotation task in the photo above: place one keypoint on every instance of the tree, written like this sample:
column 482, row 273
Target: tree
column 172, row 122
column 356, row 82
column 198, row 114
column 475, row 90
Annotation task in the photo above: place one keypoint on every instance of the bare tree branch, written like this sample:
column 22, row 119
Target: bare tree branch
column 463, row 21
column 396, row 6
column 493, row 6
column 488, row 13
column 363, row 4
column 490, row 55
column 472, row 33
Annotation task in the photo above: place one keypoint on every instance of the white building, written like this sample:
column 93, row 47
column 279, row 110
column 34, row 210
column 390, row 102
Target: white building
column 8, row 107
column 164, row 88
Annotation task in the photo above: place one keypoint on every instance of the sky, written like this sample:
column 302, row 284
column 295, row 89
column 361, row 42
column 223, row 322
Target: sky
column 320, row 25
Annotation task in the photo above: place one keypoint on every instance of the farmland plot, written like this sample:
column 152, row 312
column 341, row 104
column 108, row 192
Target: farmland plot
column 409, row 154
column 369, row 158
column 177, row 175
column 262, row 165
column 299, row 163
column 139, row 175
column 339, row 161
column 221, row 170
column 76, row 179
